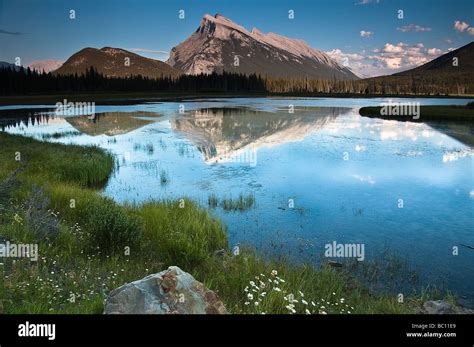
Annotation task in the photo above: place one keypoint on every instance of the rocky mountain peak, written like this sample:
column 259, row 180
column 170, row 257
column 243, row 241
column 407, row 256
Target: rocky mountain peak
column 218, row 43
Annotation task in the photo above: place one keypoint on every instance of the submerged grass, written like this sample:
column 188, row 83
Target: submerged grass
column 242, row 203
column 164, row 177
column 100, row 245
column 58, row 135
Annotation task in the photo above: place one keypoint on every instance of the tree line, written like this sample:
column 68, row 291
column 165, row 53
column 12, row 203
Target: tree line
column 26, row 81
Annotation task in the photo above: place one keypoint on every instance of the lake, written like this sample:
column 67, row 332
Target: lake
column 313, row 170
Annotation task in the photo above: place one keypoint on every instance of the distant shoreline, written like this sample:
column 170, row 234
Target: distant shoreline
column 132, row 98
column 427, row 113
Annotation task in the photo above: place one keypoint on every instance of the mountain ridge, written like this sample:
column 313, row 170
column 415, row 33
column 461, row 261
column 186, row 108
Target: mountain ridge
column 219, row 44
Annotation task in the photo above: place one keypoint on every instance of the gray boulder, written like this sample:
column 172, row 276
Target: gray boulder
column 171, row 291
column 442, row 307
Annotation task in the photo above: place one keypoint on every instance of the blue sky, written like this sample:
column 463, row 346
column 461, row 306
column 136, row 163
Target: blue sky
column 365, row 34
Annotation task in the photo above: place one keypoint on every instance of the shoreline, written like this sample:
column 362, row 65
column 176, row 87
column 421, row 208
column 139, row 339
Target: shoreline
column 427, row 113
column 133, row 98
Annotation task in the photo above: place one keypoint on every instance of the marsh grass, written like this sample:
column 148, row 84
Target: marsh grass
column 147, row 147
column 212, row 200
column 58, row 135
column 164, row 177
column 101, row 245
column 387, row 273
column 242, row 203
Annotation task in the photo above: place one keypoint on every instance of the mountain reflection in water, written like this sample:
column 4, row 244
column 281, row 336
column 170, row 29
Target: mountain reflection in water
column 221, row 133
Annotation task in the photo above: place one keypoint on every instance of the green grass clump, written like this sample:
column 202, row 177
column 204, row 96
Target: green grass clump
column 164, row 177
column 212, row 200
column 242, row 203
column 183, row 236
column 110, row 227
column 46, row 162
column 99, row 245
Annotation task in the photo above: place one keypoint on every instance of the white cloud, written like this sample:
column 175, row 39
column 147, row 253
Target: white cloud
column 145, row 50
column 367, row 179
column 351, row 60
column 401, row 56
column 340, row 56
column 463, row 27
column 460, row 26
column 413, row 27
column 367, row 2
column 389, row 48
column 434, row 51
column 364, row 33
column 386, row 60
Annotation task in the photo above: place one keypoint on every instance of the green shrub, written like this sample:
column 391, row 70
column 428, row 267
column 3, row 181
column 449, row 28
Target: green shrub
column 109, row 228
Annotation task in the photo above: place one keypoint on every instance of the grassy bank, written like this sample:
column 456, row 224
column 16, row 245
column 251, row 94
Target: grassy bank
column 427, row 113
column 89, row 245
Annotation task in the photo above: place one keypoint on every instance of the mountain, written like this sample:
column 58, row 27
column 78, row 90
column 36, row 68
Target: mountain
column 4, row 65
column 48, row 65
column 216, row 43
column 112, row 62
column 444, row 64
column 437, row 77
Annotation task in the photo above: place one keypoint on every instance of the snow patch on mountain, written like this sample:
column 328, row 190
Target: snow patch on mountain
column 47, row 65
